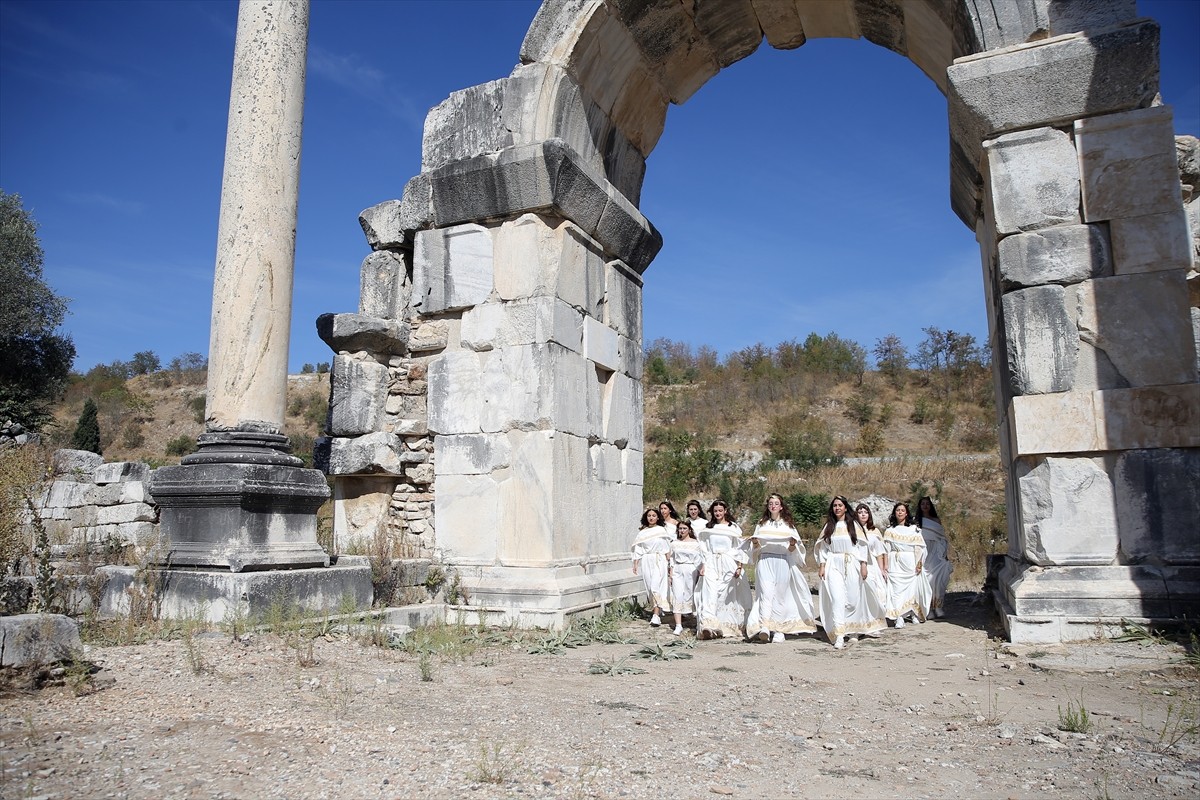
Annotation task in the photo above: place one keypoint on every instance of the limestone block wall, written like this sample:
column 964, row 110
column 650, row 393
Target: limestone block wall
column 94, row 504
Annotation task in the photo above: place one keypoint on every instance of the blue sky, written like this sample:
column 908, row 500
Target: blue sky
column 798, row 191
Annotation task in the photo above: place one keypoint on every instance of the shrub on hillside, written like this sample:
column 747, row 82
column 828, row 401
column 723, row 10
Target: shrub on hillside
column 181, row 445
column 685, row 465
column 808, row 509
column 802, row 440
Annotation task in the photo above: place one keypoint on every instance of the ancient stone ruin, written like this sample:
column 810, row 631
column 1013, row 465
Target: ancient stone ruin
column 493, row 369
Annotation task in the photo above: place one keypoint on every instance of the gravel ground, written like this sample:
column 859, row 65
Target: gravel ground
column 936, row 710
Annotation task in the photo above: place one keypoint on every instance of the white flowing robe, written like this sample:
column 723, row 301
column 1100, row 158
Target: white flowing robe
column 782, row 600
column 877, row 587
column 724, row 595
column 650, row 549
column 686, row 558
column 842, row 594
column 937, row 561
column 908, row 585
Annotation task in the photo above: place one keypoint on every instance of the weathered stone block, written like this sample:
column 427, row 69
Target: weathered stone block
column 31, row 640
column 532, row 386
column 623, row 418
column 465, row 124
column 1067, row 512
column 358, row 393
column 68, row 494
column 600, row 344
column 623, row 300
column 455, row 393
column 429, row 335
column 118, row 471
column 631, row 357
column 1143, row 325
column 1128, row 164
column 731, row 29
column 393, row 222
column 127, row 512
column 534, row 321
column 1068, row 16
column 1054, row 81
column 360, row 508
column 1110, row 419
column 828, row 19
column 383, row 288
column 1063, row 254
column 929, row 41
column 472, row 454
column 1033, row 179
column 77, row 465
column 420, row 475
column 452, row 268
column 547, row 176
column 1041, row 341
column 354, row 332
column 1094, row 370
column 1157, row 494
column 633, row 466
column 468, row 508
column 1151, row 243
column 365, row 455
column 780, row 24
column 605, row 463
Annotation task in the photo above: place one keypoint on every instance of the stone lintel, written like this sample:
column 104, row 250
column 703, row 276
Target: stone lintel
column 543, row 177
column 354, row 332
column 1106, row 420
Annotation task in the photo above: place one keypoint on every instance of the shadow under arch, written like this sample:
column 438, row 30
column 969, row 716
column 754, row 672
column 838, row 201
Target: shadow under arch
column 525, row 246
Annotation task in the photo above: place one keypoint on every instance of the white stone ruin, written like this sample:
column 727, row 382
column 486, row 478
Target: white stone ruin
column 487, row 395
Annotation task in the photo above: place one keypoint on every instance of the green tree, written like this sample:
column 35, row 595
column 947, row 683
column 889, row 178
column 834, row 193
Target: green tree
column 87, row 430
column 35, row 360
column 144, row 363
column 803, row 440
column 891, row 359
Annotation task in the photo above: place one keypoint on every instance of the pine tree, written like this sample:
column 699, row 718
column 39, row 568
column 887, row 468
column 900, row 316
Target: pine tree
column 87, row 432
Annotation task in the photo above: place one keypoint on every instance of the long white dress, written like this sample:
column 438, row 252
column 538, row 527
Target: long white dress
column 842, row 593
column 782, row 600
column 937, row 563
column 724, row 595
column 908, row 587
column 650, row 549
column 876, row 596
column 686, row 558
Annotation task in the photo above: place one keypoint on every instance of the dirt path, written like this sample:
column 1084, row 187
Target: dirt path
column 936, row 710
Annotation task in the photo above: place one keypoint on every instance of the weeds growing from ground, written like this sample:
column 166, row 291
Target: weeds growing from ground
column 614, row 666
column 1076, row 718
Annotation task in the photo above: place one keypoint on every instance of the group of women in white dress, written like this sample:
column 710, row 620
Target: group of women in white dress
column 696, row 566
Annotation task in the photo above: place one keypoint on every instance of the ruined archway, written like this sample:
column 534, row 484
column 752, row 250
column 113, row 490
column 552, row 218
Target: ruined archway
column 495, row 361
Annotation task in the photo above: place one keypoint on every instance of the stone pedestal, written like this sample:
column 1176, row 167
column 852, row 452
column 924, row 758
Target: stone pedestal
column 243, row 502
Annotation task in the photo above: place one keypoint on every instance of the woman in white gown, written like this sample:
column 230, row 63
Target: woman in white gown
column 876, row 594
column 842, row 558
column 695, row 515
column 686, row 565
column 782, row 600
column 937, row 556
column 724, row 592
column 650, row 549
column 908, row 585
column 668, row 517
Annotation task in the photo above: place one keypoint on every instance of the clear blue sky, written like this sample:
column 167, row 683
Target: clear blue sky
column 798, row 191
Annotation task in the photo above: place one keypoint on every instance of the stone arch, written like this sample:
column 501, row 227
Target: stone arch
column 493, row 371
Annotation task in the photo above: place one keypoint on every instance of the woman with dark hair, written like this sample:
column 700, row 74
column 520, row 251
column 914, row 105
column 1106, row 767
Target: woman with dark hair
column 875, row 593
column 937, row 556
column 908, row 585
column 724, row 593
column 650, row 549
column 842, row 557
column 685, row 565
column 695, row 515
column 668, row 517
column 782, row 600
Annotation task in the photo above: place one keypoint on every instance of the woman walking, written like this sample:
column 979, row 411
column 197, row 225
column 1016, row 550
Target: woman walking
column 937, row 556
column 782, row 600
column 724, row 592
column 842, row 555
column 650, row 549
column 686, row 564
column 908, row 585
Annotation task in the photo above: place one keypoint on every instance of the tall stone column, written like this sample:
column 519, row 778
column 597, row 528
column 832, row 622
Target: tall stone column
column 256, row 235
column 243, row 501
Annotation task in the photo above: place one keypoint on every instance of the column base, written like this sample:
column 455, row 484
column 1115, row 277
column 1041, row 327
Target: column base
column 1048, row 605
column 216, row 595
column 242, row 503
column 542, row 597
